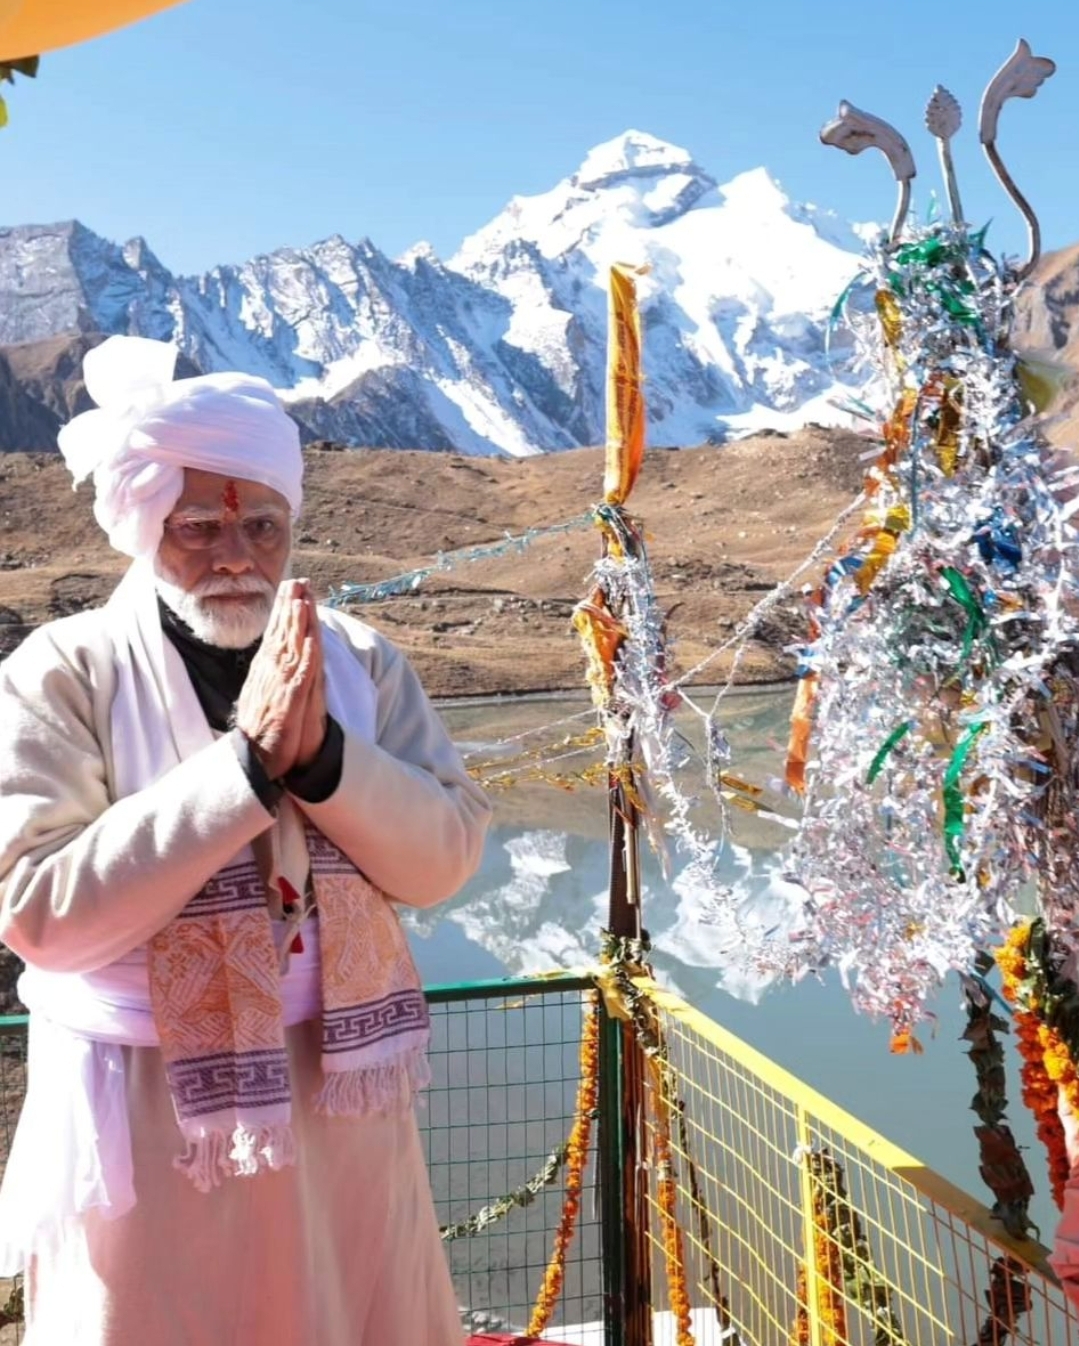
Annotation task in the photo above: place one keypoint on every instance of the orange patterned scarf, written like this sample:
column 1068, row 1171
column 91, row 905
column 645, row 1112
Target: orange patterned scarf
column 215, row 992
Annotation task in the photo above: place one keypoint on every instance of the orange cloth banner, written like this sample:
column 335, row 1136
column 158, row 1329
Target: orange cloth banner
column 602, row 635
column 625, row 400
column 801, row 730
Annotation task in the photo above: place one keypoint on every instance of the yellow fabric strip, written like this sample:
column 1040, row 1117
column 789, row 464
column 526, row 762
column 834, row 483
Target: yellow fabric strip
column 625, row 400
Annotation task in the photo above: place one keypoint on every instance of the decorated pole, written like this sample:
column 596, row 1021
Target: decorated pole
column 603, row 622
column 936, row 730
column 625, row 453
column 935, row 633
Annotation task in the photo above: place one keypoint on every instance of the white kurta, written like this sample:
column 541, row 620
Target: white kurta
column 341, row 1250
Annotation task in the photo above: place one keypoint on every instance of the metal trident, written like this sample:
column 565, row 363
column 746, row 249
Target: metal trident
column 1021, row 76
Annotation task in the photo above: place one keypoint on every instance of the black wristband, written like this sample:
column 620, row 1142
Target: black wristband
column 315, row 782
column 269, row 791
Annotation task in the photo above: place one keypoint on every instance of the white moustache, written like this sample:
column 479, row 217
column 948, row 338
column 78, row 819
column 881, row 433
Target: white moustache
column 238, row 586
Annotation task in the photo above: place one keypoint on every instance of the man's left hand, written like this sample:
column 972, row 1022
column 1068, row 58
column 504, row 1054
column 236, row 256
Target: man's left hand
column 315, row 714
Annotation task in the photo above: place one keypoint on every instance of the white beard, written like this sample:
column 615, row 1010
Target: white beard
column 229, row 626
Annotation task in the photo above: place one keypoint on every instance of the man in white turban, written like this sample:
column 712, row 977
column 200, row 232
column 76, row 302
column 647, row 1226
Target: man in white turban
column 211, row 793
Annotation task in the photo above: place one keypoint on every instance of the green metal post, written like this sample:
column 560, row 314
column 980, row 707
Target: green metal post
column 612, row 1235
column 634, row 1306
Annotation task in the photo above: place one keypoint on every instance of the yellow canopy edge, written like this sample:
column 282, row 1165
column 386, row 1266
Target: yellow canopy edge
column 625, row 400
column 30, row 27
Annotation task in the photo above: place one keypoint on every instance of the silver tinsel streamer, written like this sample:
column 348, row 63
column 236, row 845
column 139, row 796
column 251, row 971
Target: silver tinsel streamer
column 642, row 738
column 940, row 789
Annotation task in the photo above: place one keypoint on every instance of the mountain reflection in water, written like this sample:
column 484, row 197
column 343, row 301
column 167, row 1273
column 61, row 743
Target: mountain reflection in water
column 540, row 899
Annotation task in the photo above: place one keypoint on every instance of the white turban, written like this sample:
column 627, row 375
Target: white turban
column 147, row 428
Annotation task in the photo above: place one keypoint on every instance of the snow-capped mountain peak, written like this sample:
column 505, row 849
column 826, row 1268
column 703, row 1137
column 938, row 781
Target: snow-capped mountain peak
column 739, row 283
column 635, row 178
column 632, row 154
column 502, row 348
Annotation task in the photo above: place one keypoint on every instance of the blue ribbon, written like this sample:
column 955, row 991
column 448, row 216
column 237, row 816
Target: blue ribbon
column 998, row 542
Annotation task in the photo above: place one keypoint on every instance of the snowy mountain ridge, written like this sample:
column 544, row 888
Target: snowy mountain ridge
column 501, row 349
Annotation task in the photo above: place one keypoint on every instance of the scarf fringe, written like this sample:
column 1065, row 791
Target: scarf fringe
column 390, row 1087
column 213, row 1157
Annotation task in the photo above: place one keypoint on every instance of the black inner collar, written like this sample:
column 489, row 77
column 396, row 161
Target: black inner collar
column 217, row 675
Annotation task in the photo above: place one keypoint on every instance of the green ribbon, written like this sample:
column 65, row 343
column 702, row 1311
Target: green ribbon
column 965, row 596
column 896, row 736
column 931, row 251
column 840, row 304
column 977, row 239
column 954, row 808
column 954, row 304
column 934, row 254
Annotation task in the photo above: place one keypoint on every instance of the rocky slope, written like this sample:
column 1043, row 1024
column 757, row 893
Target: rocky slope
column 1047, row 322
column 724, row 525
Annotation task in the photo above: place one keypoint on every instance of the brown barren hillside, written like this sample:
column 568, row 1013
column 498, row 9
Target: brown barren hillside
column 724, row 525
column 1047, row 323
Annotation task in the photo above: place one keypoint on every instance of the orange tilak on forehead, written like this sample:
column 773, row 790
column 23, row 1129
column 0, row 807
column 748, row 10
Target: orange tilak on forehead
column 230, row 497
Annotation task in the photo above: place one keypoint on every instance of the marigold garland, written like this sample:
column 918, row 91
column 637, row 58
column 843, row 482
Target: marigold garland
column 576, row 1161
column 828, row 1266
column 1048, row 1070
column 1060, row 1071
column 720, row 1302
column 801, row 1335
column 830, row 1311
column 667, row 1195
column 621, row 958
column 843, row 1261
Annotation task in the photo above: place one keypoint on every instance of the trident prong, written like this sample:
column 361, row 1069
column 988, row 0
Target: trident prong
column 1021, row 76
column 853, row 131
column 943, row 118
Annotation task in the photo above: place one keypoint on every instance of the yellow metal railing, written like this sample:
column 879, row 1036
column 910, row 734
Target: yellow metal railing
column 801, row 1225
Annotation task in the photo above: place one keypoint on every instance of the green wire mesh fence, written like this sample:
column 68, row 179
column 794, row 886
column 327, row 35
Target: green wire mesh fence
column 505, row 1070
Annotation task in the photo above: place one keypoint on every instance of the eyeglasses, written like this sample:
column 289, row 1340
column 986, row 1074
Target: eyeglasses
column 262, row 532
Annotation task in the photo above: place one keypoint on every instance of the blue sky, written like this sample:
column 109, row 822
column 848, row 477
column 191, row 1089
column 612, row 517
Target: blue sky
column 224, row 128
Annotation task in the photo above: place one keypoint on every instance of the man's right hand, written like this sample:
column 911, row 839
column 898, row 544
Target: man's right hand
column 271, row 709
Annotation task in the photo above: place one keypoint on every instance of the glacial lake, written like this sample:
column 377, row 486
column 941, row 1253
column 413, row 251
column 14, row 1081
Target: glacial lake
column 540, row 898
